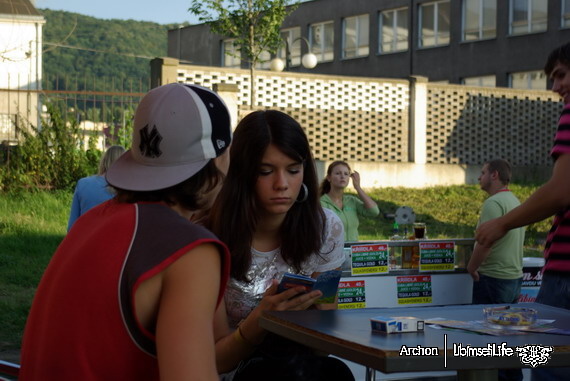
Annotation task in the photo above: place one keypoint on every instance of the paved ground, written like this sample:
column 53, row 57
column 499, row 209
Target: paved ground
column 359, row 373
column 10, row 355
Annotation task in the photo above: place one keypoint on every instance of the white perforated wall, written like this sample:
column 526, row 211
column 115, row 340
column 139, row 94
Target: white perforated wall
column 364, row 120
column 470, row 125
column 367, row 119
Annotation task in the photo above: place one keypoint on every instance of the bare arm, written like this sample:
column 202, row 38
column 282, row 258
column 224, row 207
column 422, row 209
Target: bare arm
column 187, row 301
column 480, row 253
column 231, row 348
column 368, row 202
column 546, row 201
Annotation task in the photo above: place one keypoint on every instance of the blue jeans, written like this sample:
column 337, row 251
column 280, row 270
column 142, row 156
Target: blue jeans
column 496, row 291
column 554, row 291
column 489, row 290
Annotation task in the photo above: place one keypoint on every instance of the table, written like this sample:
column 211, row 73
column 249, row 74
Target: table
column 347, row 334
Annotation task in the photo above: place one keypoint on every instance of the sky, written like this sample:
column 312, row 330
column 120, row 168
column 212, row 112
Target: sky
column 161, row 12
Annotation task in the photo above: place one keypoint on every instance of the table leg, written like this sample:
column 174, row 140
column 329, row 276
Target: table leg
column 370, row 374
column 478, row 375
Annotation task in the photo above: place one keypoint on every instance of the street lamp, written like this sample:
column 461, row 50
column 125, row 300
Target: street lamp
column 309, row 60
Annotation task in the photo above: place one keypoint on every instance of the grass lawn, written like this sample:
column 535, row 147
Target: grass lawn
column 33, row 224
column 31, row 227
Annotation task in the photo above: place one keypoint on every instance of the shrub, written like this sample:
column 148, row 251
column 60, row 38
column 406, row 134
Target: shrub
column 50, row 157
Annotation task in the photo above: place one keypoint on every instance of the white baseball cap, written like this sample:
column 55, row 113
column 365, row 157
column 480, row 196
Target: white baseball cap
column 178, row 129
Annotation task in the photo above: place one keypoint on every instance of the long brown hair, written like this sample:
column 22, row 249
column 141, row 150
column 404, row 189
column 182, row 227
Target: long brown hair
column 235, row 213
column 326, row 184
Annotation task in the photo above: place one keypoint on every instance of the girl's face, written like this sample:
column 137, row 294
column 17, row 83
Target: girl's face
column 340, row 176
column 279, row 181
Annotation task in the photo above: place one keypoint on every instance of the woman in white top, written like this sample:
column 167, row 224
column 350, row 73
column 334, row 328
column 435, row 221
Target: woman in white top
column 269, row 215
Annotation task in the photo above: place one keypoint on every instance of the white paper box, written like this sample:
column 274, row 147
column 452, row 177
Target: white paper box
column 396, row 324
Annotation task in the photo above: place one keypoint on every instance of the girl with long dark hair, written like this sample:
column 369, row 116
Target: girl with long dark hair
column 268, row 214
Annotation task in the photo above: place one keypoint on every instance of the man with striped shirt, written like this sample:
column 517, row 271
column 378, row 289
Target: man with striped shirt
column 553, row 198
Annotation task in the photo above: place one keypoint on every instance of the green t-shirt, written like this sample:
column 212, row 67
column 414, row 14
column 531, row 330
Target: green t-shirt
column 352, row 207
column 505, row 259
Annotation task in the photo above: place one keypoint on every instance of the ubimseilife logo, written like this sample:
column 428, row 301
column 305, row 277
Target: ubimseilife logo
column 530, row 355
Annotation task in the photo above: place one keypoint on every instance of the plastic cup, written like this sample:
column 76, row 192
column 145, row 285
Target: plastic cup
column 419, row 230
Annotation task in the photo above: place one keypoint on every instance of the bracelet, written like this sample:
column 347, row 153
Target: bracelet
column 238, row 335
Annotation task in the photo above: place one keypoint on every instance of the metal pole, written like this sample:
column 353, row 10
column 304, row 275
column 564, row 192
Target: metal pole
column 411, row 37
column 287, row 56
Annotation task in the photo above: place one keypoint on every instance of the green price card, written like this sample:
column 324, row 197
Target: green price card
column 414, row 289
column 351, row 295
column 437, row 256
column 369, row 259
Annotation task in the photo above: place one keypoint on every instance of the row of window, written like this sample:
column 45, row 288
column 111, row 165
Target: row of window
column 479, row 22
column 535, row 80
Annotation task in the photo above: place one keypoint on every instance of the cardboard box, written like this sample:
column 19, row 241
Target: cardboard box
column 396, row 324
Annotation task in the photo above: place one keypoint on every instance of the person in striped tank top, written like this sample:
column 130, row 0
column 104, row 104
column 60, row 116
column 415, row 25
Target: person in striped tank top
column 553, row 198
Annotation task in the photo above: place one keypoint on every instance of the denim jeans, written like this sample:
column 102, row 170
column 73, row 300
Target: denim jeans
column 489, row 290
column 496, row 291
column 554, row 291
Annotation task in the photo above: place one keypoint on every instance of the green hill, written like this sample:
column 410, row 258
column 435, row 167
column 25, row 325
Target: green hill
column 82, row 48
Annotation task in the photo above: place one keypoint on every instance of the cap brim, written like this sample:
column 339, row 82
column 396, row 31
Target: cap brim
column 126, row 173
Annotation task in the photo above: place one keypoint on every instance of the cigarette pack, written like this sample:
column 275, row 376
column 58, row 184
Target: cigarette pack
column 396, row 324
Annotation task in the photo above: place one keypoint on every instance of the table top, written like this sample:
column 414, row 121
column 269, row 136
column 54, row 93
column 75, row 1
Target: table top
column 348, row 334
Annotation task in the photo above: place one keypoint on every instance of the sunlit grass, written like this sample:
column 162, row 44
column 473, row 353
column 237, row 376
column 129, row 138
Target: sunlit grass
column 31, row 227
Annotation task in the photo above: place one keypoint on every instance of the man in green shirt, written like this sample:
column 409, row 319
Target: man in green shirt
column 497, row 271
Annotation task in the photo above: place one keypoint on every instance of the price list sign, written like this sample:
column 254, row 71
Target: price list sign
column 414, row 289
column 351, row 295
column 369, row 259
column 437, row 256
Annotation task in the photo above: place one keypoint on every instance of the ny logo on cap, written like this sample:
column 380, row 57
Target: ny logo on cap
column 150, row 142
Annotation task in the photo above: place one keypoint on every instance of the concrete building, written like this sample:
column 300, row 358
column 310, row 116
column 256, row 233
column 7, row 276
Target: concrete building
column 20, row 66
column 500, row 43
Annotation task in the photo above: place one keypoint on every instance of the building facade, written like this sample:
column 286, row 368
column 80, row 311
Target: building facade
column 20, row 66
column 501, row 43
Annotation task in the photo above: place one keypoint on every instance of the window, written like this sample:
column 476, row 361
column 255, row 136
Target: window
column 479, row 19
column 231, row 54
column 528, row 16
column 355, row 36
column 6, row 127
column 321, row 38
column 535, row 80
column 434, row 24
column 393, row 30
column 292, row 38
column 565, row 13
column 482, row 81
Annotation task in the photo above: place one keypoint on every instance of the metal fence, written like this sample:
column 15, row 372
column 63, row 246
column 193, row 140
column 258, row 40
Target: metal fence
column 100, row 106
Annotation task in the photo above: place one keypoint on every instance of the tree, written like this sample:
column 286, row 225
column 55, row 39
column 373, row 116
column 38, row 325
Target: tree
column 253, row 24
